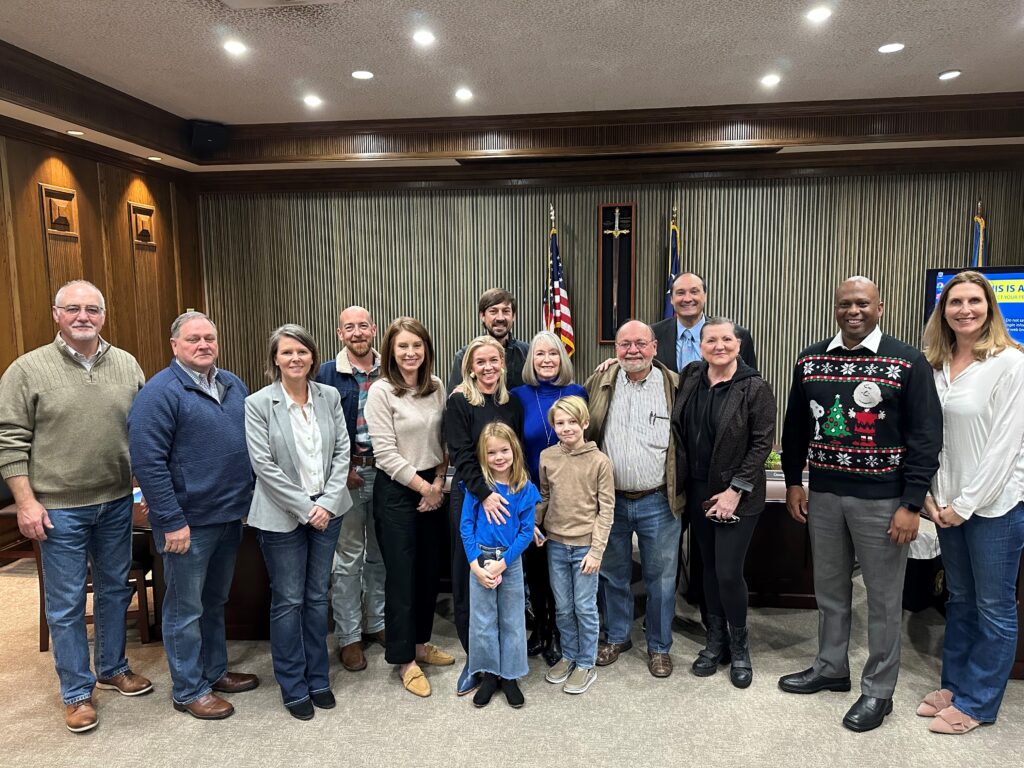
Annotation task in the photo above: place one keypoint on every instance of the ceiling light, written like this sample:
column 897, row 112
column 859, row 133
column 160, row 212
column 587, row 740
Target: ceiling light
column 891, row 48
column 463, row 94
column 154, row 158
column 312, row 100
column 362, row 74
column 76, row 133
column 950, row 74
column 819, row 14
column 423, row 37
column 235, row 47
column 771, row 80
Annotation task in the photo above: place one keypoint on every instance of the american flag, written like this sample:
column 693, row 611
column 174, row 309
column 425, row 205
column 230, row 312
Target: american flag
column 557, row 316
column 673, row 263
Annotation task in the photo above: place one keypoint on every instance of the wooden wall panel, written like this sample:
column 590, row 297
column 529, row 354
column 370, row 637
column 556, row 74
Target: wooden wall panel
column 190, row 263
column 10, row 336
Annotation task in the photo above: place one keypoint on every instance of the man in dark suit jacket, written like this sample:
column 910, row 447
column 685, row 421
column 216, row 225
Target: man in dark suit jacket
column 679, row 336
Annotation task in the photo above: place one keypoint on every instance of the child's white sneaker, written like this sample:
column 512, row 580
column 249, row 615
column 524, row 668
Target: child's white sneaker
column 560, row 672
column 580, row 680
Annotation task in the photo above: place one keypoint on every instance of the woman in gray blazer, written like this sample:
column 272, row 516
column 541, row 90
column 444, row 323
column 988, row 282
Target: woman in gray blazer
column 299, row 448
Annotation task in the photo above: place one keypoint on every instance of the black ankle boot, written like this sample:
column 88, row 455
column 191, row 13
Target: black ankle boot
column 487, row 688
column 553, row 650
column 717, row 650
column 540, row 639
column 741, row 672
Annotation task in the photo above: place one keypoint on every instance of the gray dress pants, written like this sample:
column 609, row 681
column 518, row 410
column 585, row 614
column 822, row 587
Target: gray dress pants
column 843, row 528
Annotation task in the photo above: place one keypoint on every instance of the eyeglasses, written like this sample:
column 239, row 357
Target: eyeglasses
column 640, row 345
column 90, row 309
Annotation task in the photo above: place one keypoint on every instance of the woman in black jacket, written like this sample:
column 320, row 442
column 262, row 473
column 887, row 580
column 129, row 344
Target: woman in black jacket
column 724, row 422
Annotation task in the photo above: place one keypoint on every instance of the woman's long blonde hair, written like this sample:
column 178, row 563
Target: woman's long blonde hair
column 470, row 389
column 518, row 477
column 939, row 341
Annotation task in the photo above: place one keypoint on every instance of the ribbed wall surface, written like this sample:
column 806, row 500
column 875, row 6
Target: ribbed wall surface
column 772, row 252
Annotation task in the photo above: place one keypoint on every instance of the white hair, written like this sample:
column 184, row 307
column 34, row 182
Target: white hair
column 77, row 284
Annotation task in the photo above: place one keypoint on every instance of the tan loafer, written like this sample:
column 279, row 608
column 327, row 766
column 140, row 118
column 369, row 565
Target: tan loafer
column 953, row 722
column 435, row 656
column 80, row 716
column 935, row 702
column 127, row 684
column 415, row 682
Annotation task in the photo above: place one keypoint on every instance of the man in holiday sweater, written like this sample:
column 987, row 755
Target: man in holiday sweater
column 186, row 433
column 64, row 455
column 864, row 415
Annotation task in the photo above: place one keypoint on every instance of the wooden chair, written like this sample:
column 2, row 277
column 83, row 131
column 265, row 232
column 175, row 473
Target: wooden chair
column 142, row 563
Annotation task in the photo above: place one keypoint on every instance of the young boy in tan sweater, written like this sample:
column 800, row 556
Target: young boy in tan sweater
column 576, row 510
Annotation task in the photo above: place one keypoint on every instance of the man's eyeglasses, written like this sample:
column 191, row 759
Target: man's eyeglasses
column 640, row 345
column 90, row 309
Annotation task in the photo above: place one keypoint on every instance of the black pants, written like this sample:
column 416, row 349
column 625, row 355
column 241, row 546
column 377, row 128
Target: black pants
column 535, row 565
column 723, row 548
column 409, row 544
column 460, row 566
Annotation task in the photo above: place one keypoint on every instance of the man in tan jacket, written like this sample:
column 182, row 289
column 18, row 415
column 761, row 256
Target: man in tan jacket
column 630, row 406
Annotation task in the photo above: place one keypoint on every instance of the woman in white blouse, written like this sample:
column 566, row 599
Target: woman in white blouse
column 976, row 500
column 299, row 448
column 404, row 415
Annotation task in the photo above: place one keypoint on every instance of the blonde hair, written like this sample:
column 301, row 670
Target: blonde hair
column 565, row 371
column 517, row 474
column 573, row 405
column 470, row 389
column 939, row 341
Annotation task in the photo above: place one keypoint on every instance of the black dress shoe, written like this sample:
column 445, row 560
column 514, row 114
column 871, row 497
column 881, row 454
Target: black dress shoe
column 323, row 699
column 810, row 681
column 537, row 642
column 302, row 710
column 552, row 653
column 867, row 713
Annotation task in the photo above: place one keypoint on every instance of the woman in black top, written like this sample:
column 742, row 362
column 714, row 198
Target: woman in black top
column 724, row 421
column 481, row 398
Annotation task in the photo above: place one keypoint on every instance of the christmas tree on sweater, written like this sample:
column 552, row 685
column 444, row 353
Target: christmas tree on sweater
column 835, row 424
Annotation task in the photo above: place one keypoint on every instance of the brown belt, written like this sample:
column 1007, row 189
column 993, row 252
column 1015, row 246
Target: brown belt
column 634, row 495
column 363, row 461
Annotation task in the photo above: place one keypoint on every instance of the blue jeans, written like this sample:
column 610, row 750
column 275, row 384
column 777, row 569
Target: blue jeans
column 358, row 568
column 299, row 565
column 981, row 558
column 657, row 531
column 575, row 602
column 97, row 537
column 198, row 583
column 497, row 623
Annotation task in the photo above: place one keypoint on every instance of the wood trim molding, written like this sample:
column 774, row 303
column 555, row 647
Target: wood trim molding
column 706, row 167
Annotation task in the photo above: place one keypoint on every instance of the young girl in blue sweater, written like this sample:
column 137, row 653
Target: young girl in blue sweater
column 497, row 623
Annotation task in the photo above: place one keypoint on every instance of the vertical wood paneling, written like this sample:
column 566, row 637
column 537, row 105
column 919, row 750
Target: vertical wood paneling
column 772, row 251
column 10, row 334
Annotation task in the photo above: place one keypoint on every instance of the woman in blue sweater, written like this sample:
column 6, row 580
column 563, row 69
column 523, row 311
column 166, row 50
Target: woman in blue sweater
column 548, row 376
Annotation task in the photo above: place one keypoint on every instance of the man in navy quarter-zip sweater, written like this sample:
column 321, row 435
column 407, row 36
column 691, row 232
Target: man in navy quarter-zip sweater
column 186, row 435
column 864, row 415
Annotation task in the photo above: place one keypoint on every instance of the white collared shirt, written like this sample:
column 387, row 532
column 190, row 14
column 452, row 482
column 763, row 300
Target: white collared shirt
column 78, row 357
column 870, row 342
column 637, row 432
column 308, row 444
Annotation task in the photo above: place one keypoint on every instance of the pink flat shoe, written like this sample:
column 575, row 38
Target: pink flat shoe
column 952, row 721
column 935, row 702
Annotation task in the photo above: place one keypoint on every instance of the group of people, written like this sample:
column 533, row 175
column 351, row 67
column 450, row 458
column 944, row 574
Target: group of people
column 343, row 471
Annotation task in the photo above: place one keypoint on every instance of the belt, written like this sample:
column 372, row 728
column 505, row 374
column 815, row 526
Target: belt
column 363, row 461
column 634, row 495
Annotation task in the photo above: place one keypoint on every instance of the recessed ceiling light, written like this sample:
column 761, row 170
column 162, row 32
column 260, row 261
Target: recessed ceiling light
column 463, row 94
column 154, row 158
column 819, row 14
column 312, row 100
column 235, row 47
column 771, row 80
column 76, row 133
column 950, row 74
column 891, row 48
column 362, row 74
column 423, row 37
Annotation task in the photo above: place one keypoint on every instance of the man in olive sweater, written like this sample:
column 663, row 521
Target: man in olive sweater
column 64, row 455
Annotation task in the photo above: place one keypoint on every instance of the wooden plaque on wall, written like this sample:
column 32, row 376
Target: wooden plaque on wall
column 616, row 264
column 140, row 218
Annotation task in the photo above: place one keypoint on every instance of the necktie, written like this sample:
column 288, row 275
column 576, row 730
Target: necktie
column 686, row 350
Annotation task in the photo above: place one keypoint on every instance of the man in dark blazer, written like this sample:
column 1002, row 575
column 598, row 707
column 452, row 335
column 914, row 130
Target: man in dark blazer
column 679, row 336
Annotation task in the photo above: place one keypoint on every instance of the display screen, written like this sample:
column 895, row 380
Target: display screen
column 1007, row 283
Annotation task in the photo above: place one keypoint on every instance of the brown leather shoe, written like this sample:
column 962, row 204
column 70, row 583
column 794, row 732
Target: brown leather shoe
column 374, row 637
column 660, row 664
column 80, row 716
column 608, row 653
column 208, row 707
column 236, row 682
column 352, row 657
column 127, row 684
